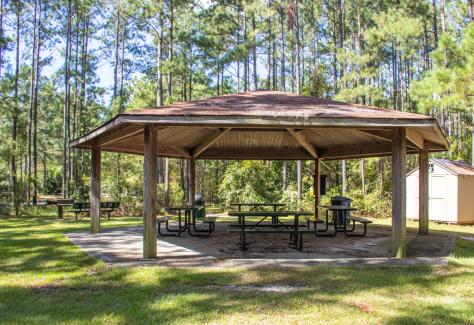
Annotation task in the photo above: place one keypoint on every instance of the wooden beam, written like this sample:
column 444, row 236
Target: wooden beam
column 209, row 141
column 149, row 193
column 384, row 136
column 317, row 185
column 399, row 193
column 95, row 189
column 256, row 154
column 356, row 151
column 304, row 142
column 423, row 210
column 110, row 140
column 378, row 134
column 414, row 137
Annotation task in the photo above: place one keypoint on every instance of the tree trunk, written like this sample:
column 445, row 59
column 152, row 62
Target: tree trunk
column 299, row 180
column 35, row 110
column 442, row 9
column 238, row 58
column 435, row 23
column 246, row 56
column 65, row 180
column 1, row 35
column 471, row 10
column 122, row 60
column 344, row 177
column 182, row 176
column 167, row 182
column 116, row 49
column 16, row 110
column 32, row 94
column 254, row 53
column 298, row 47
column 362, row 175
column 269, row 51
column 159, row 65
column 170, row 48
column 282, row 58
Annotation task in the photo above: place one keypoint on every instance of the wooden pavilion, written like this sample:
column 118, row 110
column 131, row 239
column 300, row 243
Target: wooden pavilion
column 266, row 125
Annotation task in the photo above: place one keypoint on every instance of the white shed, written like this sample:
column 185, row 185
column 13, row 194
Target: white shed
column 451, row 192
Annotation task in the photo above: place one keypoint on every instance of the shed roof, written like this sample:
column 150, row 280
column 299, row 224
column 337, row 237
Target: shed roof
column 456, row 167
column 265, row 125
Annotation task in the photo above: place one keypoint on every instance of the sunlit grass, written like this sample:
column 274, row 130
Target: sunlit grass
column 46, row 279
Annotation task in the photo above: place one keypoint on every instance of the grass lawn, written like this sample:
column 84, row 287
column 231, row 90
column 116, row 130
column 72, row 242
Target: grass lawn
column 46, row 279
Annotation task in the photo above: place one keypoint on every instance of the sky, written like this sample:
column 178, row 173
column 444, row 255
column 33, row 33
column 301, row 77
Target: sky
column 104, row 70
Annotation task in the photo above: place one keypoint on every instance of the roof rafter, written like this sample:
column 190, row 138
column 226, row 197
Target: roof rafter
column 209, row 141
column 382, row 136
column 304, row 142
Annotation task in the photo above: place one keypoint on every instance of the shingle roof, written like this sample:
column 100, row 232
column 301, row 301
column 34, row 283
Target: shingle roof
column 266, row 125
column 457, row 167
column 264, row 103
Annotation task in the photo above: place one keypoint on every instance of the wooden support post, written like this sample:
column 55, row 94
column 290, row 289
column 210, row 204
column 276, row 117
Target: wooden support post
column 317, row 185
column 149, row 193
column 399, row 193
column 423, row 217
column 95, row 189
column 192, row 182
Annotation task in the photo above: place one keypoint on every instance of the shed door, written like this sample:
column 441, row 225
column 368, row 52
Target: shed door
column 438, row 197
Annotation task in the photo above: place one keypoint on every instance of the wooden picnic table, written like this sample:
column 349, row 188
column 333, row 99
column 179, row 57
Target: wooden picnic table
column 274, row 228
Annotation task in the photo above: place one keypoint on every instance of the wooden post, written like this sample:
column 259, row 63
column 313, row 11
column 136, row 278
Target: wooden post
column 399, row 193
column 149, row 193
column 317, row 185
column 192, row 182
column 95, row 189
column 423, row 217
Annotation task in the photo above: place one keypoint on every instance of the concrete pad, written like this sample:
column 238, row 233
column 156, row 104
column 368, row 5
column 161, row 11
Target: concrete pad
column 123, row 246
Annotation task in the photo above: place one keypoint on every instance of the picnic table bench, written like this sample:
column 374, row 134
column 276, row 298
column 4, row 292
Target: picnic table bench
column 80, row 208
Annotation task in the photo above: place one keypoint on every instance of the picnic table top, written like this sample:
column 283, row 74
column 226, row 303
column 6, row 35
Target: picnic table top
column 269, row 213
column 183, row 207
column 337, row 207
column 258, row 204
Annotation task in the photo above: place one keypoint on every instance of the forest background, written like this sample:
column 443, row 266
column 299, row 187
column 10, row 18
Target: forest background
column 67, row 66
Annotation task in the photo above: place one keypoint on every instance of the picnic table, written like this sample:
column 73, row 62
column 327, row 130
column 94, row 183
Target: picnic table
column 189, row 224
column 257, row 206
column 340, row 220
column 279, row 227
column 61, row 203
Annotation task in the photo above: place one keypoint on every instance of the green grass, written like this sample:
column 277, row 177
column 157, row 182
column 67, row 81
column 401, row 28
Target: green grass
column 46, row 279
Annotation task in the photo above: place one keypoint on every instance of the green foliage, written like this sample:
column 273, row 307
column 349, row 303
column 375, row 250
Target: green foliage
column 248, row 181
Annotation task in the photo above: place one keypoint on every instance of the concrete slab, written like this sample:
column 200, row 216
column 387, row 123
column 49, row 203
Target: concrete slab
column 123, row 246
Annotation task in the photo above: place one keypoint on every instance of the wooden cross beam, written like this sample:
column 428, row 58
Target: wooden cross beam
column 381, row 135
column 209, row 141
column 304, row 142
